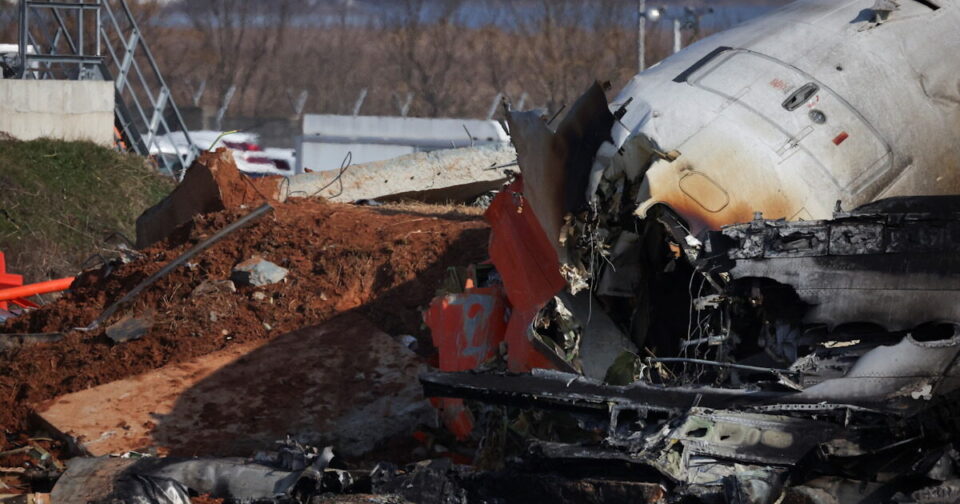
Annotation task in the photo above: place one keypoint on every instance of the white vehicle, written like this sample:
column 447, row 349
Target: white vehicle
column 10, row 59
column 251, row 158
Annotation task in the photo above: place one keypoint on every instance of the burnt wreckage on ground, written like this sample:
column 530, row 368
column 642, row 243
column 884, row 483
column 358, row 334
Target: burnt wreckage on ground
column 774, row 386
column 725, row 325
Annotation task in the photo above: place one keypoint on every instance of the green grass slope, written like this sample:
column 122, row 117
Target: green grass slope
column 61, row 201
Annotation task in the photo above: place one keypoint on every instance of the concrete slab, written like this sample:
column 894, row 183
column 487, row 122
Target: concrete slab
column 65, row 110
column 343, row 383
column 453, row 175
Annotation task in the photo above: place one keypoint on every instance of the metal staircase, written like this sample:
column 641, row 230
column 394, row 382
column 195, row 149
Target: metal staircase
column 100, row 40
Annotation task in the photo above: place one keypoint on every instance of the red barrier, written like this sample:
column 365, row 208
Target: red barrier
column 7, row 280
column 467, row 330
column 13, row 290
column 16, row 293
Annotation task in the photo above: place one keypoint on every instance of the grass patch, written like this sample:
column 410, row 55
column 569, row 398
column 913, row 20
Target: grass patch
column 60, row 201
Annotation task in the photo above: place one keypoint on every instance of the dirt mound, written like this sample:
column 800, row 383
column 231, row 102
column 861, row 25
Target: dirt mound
column 383, row 262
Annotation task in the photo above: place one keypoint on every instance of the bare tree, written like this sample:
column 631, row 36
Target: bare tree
column 238, row 37
column 424, row 48
column 450, row 58
column 8, row 21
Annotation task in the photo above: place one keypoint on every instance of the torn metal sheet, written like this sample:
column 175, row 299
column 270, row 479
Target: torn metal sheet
column 210, row 185
column 569, row 391
column 129, row 328
column 601, row 341
column 521, row 250
column 529, row 269
column 558, row 164
column 467, row 329
column 168, row 480
column 857, row 267
column 896, row 376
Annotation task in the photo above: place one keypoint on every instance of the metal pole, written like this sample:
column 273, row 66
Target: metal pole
column 493, row 106
column 359, row 103
column 97, row 33
column 677, row 37
column 219, row 235
column 23, row 39
column 82, row 49
column 642, row 34
column 227, row 98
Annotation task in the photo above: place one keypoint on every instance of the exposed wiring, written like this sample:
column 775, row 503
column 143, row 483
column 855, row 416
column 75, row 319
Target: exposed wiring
column 225, row 133
column 344, row 166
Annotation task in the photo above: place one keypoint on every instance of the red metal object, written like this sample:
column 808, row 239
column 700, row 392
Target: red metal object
column 467, row 330
column 13, row 290
column 519, row 248
column 7, row 280
column 25, row 291
column 529, row 267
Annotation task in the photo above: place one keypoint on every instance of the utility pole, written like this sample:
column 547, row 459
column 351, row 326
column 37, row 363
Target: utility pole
column 359, row 102
column 677, row 36
column 642, row 34
column 642, row 16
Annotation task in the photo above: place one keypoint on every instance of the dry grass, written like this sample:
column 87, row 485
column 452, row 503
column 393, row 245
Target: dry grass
column 453, row 211
column 63, row 203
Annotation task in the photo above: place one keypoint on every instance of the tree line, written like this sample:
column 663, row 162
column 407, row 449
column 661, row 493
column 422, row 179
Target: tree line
column 430, row 58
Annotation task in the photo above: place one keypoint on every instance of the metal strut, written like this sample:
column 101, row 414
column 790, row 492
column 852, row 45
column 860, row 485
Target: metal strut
column 100, row 40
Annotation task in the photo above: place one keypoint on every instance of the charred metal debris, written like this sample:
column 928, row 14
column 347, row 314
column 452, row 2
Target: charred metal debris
column 746, row 363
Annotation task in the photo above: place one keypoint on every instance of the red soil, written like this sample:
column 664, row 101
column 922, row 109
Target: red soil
column 383, row 263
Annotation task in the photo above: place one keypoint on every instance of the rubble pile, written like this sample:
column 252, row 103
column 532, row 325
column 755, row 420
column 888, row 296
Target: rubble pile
column 661, row 307
column 382, row 263
column 753, row 362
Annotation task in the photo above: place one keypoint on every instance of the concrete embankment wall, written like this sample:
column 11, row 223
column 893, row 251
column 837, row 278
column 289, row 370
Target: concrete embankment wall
column 67, row 110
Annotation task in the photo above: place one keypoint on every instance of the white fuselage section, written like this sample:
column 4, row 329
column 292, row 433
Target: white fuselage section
column 794, row 111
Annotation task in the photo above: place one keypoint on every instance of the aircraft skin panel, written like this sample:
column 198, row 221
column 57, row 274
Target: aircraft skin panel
column 884, row 124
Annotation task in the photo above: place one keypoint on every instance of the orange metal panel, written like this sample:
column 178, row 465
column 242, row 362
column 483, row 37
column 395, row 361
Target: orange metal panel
column 524, row 257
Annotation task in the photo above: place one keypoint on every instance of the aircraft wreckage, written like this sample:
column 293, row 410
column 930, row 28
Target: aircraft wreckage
column 739, row 277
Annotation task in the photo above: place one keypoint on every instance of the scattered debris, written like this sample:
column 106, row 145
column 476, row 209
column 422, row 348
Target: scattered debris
column 293, row 473
column 129, row 328
column 16, row 341
column 179, row 261
column 212, row 287
column 383, row 263
column 257, row 272
column 634, row 337
column 744, row 364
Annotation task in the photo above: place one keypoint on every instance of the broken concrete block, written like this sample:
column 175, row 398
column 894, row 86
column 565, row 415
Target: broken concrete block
column 242, row 399
column 258, row 272
column 453, row 175
column 214, row 287
column 129, row 329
